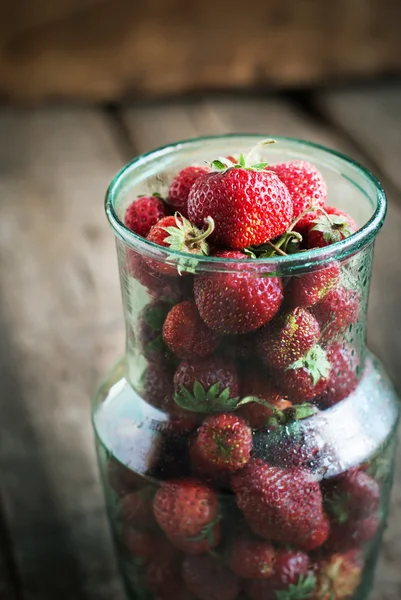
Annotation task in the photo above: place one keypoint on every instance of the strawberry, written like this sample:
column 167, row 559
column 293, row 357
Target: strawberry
column 181, row 186
column 121, row 479
column 141, row 544
column 332, row 225
column 338, row 576
column 352, row 534
column 143, row 213
column 206, row 385
column 209, row 579
column 292, row 578
column 305, row 184
column 352, row 495
column 284, row 505
column 149, row 330
column 186, row 335
column 187, row 511
column 164, row 580
column 152, row 280
column 179, row 235
column 252, row 558
column 307, row 289
column 343, row 380
column 258, row 384
column 337, row 311
column 135, row 509
column 205, row 470
column 248, row 205
column 237, row 302
column 157, row 385
column 307, row 377
column 288, row 337
column 224, row 442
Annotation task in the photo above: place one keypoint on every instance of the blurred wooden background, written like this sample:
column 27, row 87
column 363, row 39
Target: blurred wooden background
column 109, row 49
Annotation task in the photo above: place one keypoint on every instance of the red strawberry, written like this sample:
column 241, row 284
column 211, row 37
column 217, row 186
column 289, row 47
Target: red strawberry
column 306, row 290
column 287, row 338
column 143, row 213
column 338, row 576
column 307, row 377
column 141, row 544
column 329, row 227
column 156, row 283
column 249, row 207
column 121, row 479
column 181, row 186
column 224, row 442
column 284, row 505
column 209, row 579
column 292, row 575
column 352, row 534
column 206, row 471
column 304, row 183
column 206, row 385
column 187, row 511
column 135, row 509
column 343, row 375
column 252, row 558
column 258, row 383
column 352, row 495
column 157, row 386
column 178, row 234
column 149, row 330
column 163, row 578
column 237, row 302
column 336, row 311
column 186, row 334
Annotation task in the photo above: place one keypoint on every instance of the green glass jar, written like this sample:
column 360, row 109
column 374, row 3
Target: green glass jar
column 297, row 513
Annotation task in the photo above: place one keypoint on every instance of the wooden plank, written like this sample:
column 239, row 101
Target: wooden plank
column 103, row 49
column 275, row 117
column 372, row 119
column 61, row 325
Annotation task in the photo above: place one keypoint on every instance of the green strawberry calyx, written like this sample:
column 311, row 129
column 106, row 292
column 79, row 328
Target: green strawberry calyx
column 334, row 227
column 338, row 507
column 205, row 401
column 207, row 533
column 243, row 162
column 315, row 362
column 185, row 237
column 303, row 590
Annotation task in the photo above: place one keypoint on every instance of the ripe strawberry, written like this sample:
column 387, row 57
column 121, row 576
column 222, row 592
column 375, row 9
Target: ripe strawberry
column 157, row 385
column 352, row 495
column 258, row 384
column 209, row 579
column 206, row 471
column 135, row 509
column 305, row 290
column 304, row 183
column 288, row 337
column 224, row 441
column 181, row 186
column 121, row 479
column 164, row 580
column 143, row 213
column 336, row 311
column 178, row 234
column 292, row 577
column 206, row 385
column 141, row 544
column 307, row 377
column 343, row 374
column 252, row 558
column 187, row 511
column 329, row 227
column 249, row 206
column 186, row 335
column 157, row 284
column 352, row 534
column 284, row 505
column 338, row 576
column 149, row 330
column 237, row 302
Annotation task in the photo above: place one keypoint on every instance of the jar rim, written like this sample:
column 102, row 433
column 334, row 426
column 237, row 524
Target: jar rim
column 307, row 258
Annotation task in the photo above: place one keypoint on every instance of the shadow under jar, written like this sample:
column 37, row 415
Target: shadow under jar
column 226, row 475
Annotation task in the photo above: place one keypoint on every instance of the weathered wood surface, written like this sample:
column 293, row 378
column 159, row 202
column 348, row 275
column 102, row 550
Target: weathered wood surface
column 106, row 49
column 61, row 323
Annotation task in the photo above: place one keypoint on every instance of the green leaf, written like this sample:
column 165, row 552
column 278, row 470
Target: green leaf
column 199, row 392
column 258, row 166
column 200, row 400
column 315, row 362
column 303, row 590
column 249, row 253
column 241, row 160
column 219, row 165
column 155, row 346
column 155, row 317
column 157, row 195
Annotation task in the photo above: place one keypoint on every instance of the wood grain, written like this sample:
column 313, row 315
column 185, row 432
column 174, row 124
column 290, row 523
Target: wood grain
column 107, row 49
column 61, row 327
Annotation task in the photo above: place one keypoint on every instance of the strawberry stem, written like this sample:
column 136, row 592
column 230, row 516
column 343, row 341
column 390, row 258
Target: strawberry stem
column 326, row 214
column 311, row 208
column 277, row 249
column 204, row 234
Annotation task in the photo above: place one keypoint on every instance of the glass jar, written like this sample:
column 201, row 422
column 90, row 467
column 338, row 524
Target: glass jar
column 293, row 501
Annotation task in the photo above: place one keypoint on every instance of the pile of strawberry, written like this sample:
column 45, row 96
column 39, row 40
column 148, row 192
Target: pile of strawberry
column 237, row 358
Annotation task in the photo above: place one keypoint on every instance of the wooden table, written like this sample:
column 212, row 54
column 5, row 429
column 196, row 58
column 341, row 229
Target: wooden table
column 61, row 323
